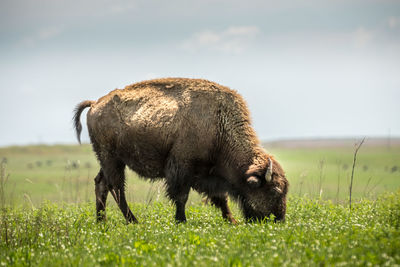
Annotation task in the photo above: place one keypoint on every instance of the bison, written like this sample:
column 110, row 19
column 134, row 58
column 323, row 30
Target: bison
column 192, row 133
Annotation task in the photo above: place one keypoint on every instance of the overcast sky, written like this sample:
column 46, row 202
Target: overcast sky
column 306, row 68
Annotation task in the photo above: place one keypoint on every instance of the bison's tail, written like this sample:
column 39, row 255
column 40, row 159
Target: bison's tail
column 77, row 117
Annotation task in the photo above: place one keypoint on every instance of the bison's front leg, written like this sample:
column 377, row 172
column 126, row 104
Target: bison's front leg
column 180, row 202
column 222, row 203
column 179, row 195
column 177, row 187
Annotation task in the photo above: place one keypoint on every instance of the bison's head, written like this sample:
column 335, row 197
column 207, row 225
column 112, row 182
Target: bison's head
column 264, row 192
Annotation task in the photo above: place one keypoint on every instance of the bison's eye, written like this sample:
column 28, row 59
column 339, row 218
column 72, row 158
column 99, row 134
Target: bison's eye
column 254, row 181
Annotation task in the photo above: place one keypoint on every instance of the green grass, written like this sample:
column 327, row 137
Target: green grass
column 47, row 215
column 377, row 170
column 316, row 232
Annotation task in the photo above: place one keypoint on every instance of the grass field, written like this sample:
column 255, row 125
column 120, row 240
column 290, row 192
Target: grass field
column 47, row 214
column 65, row 173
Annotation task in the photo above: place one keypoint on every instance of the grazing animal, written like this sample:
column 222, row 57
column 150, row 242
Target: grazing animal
column 193, row 133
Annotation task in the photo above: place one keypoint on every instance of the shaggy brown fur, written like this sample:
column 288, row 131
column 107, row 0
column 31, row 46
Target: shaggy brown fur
column 195, row 134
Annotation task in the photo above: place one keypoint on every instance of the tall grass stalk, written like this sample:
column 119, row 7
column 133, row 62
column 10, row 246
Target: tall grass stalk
column 352, row 170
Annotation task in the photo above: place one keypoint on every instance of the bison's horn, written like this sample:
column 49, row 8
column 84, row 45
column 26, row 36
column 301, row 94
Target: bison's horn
column 268, row 174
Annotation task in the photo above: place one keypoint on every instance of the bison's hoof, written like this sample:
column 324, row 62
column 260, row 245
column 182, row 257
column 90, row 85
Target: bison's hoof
column 180, row 220
column 233, row 221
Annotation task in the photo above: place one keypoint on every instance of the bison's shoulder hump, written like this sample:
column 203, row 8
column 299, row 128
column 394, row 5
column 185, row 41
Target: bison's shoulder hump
column 183, row 84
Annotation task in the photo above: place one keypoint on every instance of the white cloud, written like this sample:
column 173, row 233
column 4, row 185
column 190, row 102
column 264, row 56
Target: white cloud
column 393, row 22
column 233, row 40
column 363, row 36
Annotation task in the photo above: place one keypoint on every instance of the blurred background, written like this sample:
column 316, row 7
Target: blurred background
column 306, row 68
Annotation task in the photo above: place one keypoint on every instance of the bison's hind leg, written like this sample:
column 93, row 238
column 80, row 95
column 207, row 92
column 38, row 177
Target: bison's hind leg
column 101, row 191
column 221, row 202
column 114, row 172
